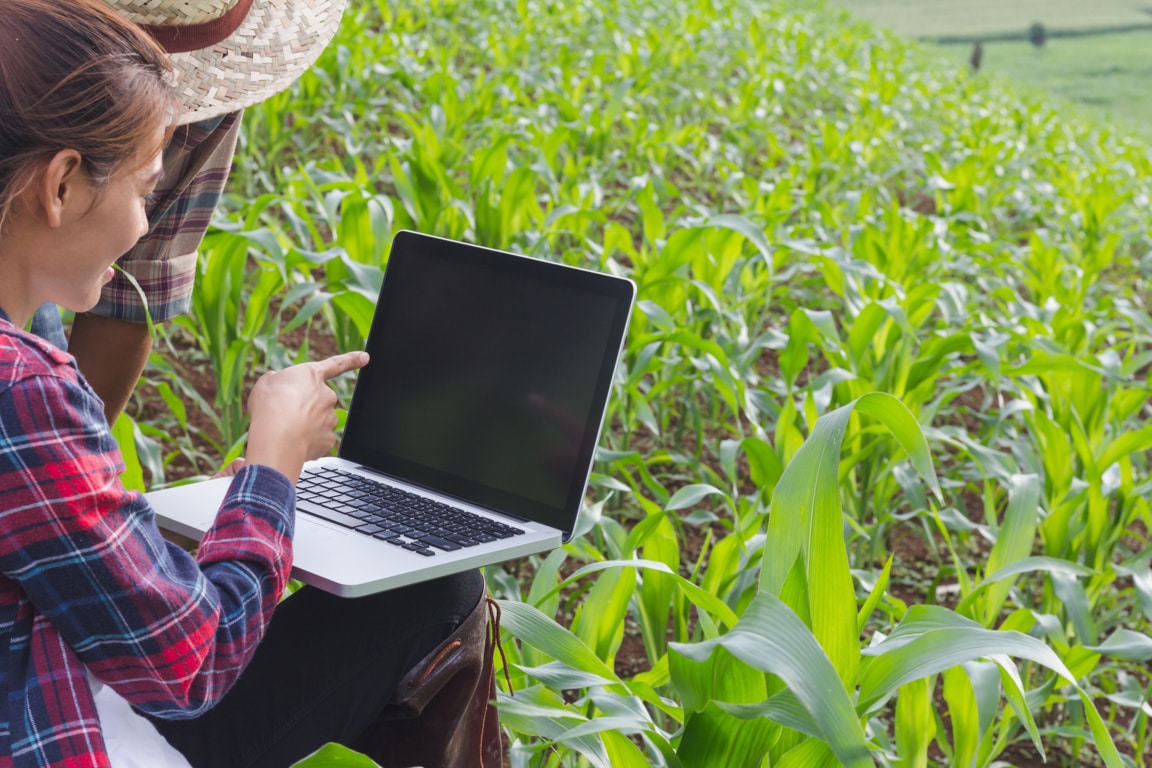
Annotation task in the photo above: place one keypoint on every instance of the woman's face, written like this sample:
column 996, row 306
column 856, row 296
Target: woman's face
column 109, row 219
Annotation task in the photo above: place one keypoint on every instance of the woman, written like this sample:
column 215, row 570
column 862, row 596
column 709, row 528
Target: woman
column 96, row 609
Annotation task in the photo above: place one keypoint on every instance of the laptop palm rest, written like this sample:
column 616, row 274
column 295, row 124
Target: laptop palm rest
column 336, row 559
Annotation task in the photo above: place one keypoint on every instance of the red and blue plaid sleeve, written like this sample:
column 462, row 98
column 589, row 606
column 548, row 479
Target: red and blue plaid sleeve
column 89, row 582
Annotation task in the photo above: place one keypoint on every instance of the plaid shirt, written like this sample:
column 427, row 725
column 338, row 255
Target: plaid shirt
column 197, row 161
column 87, row 584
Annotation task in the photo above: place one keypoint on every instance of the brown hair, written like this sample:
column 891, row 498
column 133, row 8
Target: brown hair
column 76, row 75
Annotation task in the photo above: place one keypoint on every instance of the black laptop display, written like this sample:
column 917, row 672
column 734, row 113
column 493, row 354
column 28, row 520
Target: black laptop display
column 487, row 382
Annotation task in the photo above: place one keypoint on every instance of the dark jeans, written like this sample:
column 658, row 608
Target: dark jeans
column 325, row 669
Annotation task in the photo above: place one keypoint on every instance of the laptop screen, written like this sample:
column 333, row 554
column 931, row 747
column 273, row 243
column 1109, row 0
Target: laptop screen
column 489, row 376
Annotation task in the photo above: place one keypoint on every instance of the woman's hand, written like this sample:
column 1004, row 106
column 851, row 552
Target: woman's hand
column 294, row 413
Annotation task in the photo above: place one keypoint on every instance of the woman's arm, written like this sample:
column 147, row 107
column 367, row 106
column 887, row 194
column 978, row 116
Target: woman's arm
column 169, row 633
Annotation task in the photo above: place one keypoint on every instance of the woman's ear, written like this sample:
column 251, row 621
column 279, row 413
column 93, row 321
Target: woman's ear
column 59, row 188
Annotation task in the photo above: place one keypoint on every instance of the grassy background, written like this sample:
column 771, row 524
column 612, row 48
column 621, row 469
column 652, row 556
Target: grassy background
column 1098, row 55
column 1109, row 74
column 987, row 18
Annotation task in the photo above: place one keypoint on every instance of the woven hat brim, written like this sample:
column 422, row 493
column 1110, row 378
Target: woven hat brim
column 278, row 41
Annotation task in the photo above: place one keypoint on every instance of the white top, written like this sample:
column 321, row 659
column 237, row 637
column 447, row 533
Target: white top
column 131, row 740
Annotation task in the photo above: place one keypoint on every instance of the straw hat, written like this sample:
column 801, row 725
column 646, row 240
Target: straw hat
column 229, row 54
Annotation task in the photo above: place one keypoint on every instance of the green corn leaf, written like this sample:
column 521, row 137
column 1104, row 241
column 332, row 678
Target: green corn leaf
column 622, row 725
column 963, row 714
column 599, row 620
column 622, row 752
column 1013, row 541
column 311, row 307
column 657, row 315
column 924, row 618
column 787, row 437
column 1025, row 565
column 540, row 703
column 809, row 754
column 1128, row 443
column 720, row 677
column 863, row 332
column 1142, row 583
column 1076, row 604
column 915, row 724
column 825, row 325
column 874, row 596
column 1056, row 453
column 335, row 756
column 536, row 629
column 232, row 371
column 543, row 593
column 723, row 566
column 659, row 675
column 783, row 708
column 1126, row 644
column 690, row 495
column 764, row 465
column 805, row 526
column 561, row 677
column 750, row 231
column 1043, row 362
column 713, row 738
column 174, row 403
column 936, row 650
column 541, row 712
column 124, row 432
column 699, row 597
column 657, row 589
column 645, row 530
column 771, row 638
column 1101, row 735
column 1013, row 688
column 794, row 357
column 894, row 415
column 257, row 308
column 985, row 679
column 1080, row 660
column 651, row 217
column 140, row 296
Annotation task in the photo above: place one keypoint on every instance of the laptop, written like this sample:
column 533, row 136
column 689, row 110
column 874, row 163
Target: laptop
column 471, row 431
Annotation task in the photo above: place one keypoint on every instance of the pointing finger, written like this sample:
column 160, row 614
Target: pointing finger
column 338, row 364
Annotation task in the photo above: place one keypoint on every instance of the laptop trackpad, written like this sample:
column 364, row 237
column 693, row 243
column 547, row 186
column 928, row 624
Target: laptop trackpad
column 328, row 556
column 313, row 537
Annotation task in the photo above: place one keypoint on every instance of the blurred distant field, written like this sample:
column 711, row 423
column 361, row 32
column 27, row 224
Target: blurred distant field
column 1097, row 55
column 986, row 19
column 1111, row 73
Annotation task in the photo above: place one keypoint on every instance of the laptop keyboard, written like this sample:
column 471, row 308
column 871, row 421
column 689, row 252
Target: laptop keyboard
column 404, row 519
